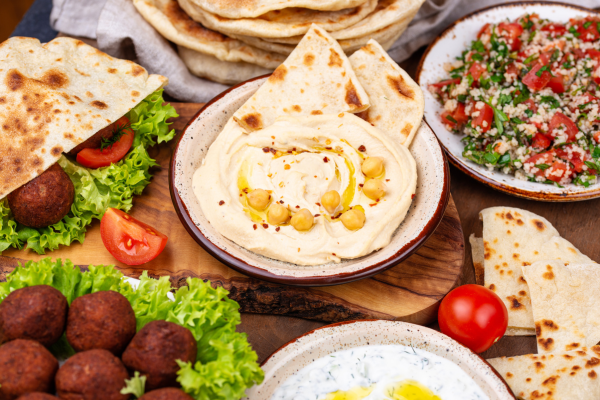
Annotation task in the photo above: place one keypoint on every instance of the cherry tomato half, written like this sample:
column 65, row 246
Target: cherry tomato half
column 474, row 316
column 128, row 240
column 96, row 158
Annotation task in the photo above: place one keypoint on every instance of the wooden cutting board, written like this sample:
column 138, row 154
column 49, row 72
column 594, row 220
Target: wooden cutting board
column 410, row 291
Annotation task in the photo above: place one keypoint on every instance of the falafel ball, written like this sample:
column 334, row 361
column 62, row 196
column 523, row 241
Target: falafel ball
column 169, row 393
column 35, row 312
column 154, row 350
column 37, row 396
column 92, row 375
column 101, row 320
column 25, row 366
column 44, row 200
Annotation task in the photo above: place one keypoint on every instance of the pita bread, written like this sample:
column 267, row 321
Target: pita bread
column 173, row 23
column 225, row 72
column 571, row 375
column 397, row 102
column 254, row 8
column 477, row 252
column 315, row 79
column 565, row 302
column 57, row 95
column 387, row 12
column 514, row 238
column 386, row 36
column 282, row 23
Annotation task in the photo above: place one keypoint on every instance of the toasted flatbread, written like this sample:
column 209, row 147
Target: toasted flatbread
column 55, row 96
column 255, row 8
column 167, row 17
column 514, row 238
column 282, row 23
column 315, row 79
column 565, row 302
column 397, row 102
column 228, row 73
column 570, row 375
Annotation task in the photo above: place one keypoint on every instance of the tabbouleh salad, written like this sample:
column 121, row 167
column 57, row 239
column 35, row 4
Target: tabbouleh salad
column 526, row 94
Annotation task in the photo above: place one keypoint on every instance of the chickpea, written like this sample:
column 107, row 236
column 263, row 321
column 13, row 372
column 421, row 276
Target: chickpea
column 259, row 199
column 372, row 167
column 331, row 201
column 353, row 219
column 277, row 214
column 303, row 220
column 374, row 189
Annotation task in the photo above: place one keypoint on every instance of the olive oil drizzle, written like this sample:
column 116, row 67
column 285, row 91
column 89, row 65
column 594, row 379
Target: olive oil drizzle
column 346, row 198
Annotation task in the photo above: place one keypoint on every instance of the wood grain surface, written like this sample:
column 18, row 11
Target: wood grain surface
column 410, row 291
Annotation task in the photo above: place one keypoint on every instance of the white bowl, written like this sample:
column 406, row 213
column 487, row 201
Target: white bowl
column 321, row 342
column 422, row 219
column 446, row 48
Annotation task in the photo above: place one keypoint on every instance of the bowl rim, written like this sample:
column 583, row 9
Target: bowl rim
column 457, row 161
column 335, row 279
column 282, row 347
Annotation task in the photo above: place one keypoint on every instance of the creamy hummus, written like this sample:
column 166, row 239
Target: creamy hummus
column 298, row 160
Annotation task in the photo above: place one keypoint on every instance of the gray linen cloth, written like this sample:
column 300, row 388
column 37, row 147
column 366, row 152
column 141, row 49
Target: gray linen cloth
column 122, row 32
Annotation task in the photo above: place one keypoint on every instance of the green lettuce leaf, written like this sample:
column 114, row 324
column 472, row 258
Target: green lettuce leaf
column 98, row 189
column 226, row 365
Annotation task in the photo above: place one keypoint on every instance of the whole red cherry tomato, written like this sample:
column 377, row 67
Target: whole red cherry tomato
column 474, row 316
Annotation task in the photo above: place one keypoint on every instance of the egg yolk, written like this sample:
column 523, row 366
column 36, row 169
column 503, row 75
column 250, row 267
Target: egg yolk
column 407, row 390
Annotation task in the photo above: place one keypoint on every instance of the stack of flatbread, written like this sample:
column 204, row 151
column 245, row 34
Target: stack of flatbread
column 551, row 290
column 232, row 41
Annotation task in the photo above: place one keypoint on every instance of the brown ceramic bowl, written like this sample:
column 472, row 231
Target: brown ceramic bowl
column 422, row 219
column 321, row 342
column 431, row 69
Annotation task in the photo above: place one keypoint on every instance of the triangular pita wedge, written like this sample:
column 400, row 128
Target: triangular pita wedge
column 571, row 375
column 167, row 17
column 514, row 238
column 565, row 302
column 315, row 79
column 228, row 73
column 397, row 102
column 255, row 8
column 477, row 252
column 283, row 23
column 54, row 97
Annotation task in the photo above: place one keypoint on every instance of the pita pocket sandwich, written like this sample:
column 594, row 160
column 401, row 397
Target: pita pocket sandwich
column 65, row 97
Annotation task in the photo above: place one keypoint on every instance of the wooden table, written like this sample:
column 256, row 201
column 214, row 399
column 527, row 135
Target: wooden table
column 574, row 221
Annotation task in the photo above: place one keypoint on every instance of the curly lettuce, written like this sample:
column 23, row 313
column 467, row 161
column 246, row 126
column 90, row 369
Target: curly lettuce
column 226, row 364
column 98, row 189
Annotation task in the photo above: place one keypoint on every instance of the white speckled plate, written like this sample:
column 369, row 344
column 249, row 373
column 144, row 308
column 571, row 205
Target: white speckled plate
column 422, row 219
column 302, row 351
column 450, row 44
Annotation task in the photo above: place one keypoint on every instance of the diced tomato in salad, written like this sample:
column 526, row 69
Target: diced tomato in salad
column 534, row 105
column 485, row 118
column 558, row 120
column 538, row 77
column 555, row 30
column 476, row 71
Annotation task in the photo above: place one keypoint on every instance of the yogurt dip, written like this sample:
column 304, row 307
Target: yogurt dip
column 393, row 372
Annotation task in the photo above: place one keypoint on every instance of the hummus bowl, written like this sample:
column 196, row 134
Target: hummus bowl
column 423, row 342
column 423, row 216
